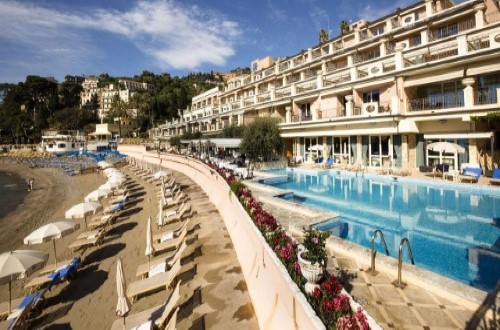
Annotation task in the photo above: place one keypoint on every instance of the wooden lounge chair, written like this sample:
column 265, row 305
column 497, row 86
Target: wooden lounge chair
column 22, row 309
column 103, row 221
column 169, row 202
column 87, row 242
column 471, row 175
column 157, row 315
column 53, row 278
column 119, row 198
column 171, row 244
column 495, row 177
column 175, row 215
column 169, row 234
column 49, row 268
column 153, row 283
column 169, row 260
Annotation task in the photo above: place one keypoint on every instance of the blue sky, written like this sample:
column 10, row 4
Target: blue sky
column 124, row 37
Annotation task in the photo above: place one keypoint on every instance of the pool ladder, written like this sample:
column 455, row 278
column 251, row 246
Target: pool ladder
column 374, row 253
column 399, row 283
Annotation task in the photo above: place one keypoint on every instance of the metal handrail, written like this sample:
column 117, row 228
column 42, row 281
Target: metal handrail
column 400, row 260
column 374, row 253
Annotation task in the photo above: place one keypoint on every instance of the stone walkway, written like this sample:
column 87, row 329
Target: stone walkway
column 413, row 307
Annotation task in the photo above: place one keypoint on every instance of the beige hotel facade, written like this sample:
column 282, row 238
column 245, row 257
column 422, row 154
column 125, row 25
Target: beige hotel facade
column 378, row 93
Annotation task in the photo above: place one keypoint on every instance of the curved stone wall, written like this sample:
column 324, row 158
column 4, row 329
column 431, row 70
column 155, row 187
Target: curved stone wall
column 276, row 299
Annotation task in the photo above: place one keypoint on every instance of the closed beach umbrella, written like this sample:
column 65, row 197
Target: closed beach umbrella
column 19, row 264
column 149, row 241
column 97, row 195
column 51, row 232
column 109, row 185
column 104, row 164
column 82, row 210
column 123, row 304
column 110, row 171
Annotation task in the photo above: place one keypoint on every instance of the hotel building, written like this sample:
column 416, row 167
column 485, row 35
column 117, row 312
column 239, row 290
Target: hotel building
column 378, row 93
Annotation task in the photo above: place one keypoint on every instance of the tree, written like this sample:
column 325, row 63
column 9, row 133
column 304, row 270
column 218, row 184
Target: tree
column 344, row 27
column 175, row 142
column 261, row 140
column 69, row 94
column 233, row 131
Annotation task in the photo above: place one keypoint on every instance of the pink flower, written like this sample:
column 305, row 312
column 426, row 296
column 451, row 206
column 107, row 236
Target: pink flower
column 315, row 240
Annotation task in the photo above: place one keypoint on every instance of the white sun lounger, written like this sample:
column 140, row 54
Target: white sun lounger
column 157, row 315
column 170, row 244
column 176, row 215
column 171, row 201
column 168, row 261
column 153, row 283
column 169, row 234
column 86, row 242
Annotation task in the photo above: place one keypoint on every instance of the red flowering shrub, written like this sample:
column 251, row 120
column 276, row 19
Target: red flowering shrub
column 331, row 305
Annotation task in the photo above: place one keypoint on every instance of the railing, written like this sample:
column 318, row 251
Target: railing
column 283, row 93
column 264, row 97
column 284, row 66
column 336, row 80
column 452, row 29
column 384, row 107
column 306, row 87
column 336, row 65
column 357, row 111
column 298, row 61
column 486, row 97
column 331, row 113
column 367, row 56
column 293, row 79
column 430, row 57
column 436, row 102
column 388, row 67
column 301, row 118
column 269, row 72
column 316, row 53
column 247, row 80
column 478, row 44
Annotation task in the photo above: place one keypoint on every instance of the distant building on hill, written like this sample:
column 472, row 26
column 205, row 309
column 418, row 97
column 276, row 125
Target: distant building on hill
column 74, row 79
column 125, row 89
column 90, row 88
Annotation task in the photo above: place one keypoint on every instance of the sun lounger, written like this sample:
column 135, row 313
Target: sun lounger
column 169, row 202
column 53, row 278
column 114, row 208
column 153, row 283
column 169, row 234
column 49, row 268
column 175, row 215
column 26, row 305
column 167, row 261
column 171, row 244
column 86, row 242
column 495, row 177
column 172, row 323
column 120, row 198
column 100, row 222
column 157, row 315
column 471, row 174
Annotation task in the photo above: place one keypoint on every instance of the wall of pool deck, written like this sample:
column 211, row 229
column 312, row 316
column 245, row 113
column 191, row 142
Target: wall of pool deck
column 277, row 301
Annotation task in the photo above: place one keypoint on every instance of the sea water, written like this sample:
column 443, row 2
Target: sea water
column 13, row 190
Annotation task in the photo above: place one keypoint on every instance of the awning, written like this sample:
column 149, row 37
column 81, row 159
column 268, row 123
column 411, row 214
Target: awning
column 482, row 135
column 438, row 76
column 483, row 67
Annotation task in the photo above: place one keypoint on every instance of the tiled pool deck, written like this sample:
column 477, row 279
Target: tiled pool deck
column 417, row 306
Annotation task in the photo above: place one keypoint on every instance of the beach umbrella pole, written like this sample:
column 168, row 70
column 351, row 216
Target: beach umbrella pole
column 55, row 254
column 85, row 219
column 10, row 296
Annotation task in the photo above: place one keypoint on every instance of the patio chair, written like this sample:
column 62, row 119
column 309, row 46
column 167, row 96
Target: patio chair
column 153, row 283
column 175, row 215
column 329, row 162
column 171, row 244
column 166, row 262
column 470, row 174
column 440, row 169
column 495, row 177
column 157, row 315
column 87, row 242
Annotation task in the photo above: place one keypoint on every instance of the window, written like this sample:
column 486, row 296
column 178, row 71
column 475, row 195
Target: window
column 380, row 151
column 447, row 31
column 371, row 96
column 415, row 40
column 305, row 110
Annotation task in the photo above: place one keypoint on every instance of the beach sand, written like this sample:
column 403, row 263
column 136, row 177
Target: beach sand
column 213, row 291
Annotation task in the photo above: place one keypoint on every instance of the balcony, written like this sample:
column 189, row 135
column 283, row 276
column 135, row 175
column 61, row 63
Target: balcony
column 431, row 56
column 331, row 113
column 284, row 66
column 338, row 79
column 478, row 44
column 283, row 92
column 264, row 97
column 301, row 118
column 438, row 102
column 452, row 29
column 486, row 97
column 367, row 56
column 306, row 87
column 336, row 65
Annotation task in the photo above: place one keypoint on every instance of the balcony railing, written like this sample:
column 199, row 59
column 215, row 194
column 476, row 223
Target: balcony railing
column 486, row 97
column 306, row 87
column 331, row 113
column 367, row 56
column 269, row 72
column 301, row 118
column 316, row 53
column 478, row 44
column 284, row 66
column 283, row 93
column 264, row 98
column 328, row 81
column 430, row 57
column 445, row 101
column 452, row 29
column 298, row 61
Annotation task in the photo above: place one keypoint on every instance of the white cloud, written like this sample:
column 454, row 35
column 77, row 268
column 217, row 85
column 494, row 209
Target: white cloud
column 371, row 13
column 173, row 35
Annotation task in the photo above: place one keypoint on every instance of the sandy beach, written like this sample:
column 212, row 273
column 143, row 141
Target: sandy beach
column 213, row 291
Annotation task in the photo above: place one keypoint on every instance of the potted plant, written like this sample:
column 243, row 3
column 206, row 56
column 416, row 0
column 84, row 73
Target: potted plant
column 312, row 256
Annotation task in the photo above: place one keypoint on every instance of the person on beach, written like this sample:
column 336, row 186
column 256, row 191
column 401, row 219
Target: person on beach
column 28, row 184
column 31, row 184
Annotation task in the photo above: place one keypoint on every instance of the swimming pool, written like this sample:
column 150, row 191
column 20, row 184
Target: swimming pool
column 453, row 230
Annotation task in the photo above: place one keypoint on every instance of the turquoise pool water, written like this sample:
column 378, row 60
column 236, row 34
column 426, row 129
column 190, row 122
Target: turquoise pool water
column 454, row 230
